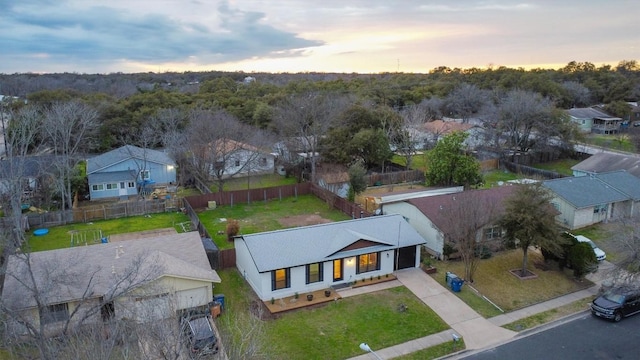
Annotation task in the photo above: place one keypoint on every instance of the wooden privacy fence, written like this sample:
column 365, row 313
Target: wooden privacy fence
column 531, row 171
column 248, row 196
column 395, row 177
column 227, row 258
column 97, row 212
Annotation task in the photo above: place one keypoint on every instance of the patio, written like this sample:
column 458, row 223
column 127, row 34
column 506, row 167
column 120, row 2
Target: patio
column 319, row 296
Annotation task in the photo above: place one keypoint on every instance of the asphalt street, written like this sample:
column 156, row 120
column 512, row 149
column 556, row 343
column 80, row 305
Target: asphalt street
column 585, row 337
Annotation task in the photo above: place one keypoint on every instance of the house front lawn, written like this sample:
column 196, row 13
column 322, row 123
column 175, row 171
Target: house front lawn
column 267, row 216
column 335, row 330
column 493, row 280
column 60, row 236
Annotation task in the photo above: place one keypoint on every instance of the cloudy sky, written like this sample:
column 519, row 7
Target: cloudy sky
column 366, row 36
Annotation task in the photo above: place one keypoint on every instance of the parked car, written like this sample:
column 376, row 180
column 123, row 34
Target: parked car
column 600, row 255
column 200, row 336
column 617, row 303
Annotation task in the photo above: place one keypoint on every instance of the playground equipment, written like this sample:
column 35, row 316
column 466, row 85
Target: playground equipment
column 86, row 237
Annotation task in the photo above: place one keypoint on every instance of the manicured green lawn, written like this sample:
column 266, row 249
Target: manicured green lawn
column 494, row 280
column 263, row 216
column 334, row 331
column 60, row 236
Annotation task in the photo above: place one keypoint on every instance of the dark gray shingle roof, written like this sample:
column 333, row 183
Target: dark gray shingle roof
column 585, row 191
column 605, row 162
column 589, row 113
column 310, row 244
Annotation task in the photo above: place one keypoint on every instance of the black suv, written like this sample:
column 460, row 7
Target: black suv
column 200, row 336
column 617, row 303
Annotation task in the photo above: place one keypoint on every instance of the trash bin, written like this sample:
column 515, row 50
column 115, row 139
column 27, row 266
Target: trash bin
column 450, row 276
column 456, row 284
column 219, row 298
column 214, row 308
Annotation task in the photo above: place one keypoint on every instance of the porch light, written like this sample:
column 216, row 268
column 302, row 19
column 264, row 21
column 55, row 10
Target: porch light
column 365, row 347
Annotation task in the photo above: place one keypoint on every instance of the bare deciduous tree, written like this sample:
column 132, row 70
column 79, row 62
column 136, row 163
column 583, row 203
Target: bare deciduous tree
column 522, row 113
column 221, row 147
column 465, row 216
column 624, row 241
column 20, row 140
column 69, row 129
column 465, row 100
column 39, row 282
column 307, row 118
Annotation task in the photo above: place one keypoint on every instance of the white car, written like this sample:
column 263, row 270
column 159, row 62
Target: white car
column 600, row 255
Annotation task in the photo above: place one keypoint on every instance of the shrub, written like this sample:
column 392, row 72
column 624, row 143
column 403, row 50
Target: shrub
column 582, row 259
column 233, row 228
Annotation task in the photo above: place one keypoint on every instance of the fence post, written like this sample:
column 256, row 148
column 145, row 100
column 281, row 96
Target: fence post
column 280, row 193
column 104, row 212
column 264, row 192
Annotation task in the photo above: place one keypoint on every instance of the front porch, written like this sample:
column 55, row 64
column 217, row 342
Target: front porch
column 320, row 296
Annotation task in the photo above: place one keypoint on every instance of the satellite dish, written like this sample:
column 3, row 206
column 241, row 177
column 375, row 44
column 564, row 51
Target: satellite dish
column 500, row 183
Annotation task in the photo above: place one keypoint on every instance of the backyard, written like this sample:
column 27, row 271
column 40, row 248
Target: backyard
column 267, row 216
column 92, row 232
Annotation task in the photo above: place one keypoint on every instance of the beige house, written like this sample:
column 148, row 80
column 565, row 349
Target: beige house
column 142, row 280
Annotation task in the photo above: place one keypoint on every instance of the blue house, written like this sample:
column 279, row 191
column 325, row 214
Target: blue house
column 127, row 170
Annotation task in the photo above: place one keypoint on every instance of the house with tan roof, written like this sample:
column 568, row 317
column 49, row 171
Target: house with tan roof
column 143, row 280
column 235, row 158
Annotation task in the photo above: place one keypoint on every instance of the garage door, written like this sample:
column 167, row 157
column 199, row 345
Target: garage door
column 193, row 297
column 406, row 257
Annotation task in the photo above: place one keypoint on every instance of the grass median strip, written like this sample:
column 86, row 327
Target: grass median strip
column 549, row 315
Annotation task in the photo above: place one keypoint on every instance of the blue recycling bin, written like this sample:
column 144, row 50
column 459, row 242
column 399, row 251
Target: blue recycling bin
column 456, row 284
column 219, row 298
column 450, row 276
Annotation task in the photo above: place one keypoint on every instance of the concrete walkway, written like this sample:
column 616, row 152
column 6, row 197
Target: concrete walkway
column 478, row 332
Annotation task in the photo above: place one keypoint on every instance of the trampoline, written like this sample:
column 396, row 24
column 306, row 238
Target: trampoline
column 40, row 232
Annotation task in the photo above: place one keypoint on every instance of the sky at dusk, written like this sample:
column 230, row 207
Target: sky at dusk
column 369, row 36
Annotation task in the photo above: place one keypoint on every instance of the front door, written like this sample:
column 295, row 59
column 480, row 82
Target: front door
column 122, row 190
column 338, row 269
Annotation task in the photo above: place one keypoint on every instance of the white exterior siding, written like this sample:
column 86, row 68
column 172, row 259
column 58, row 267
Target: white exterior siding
column 261, row 282
column 245, row 162
column 424, row 226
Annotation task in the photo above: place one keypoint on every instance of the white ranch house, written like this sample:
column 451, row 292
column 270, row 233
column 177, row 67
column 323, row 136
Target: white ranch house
column 281, row 263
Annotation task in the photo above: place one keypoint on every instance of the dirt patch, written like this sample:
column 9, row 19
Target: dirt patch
column 142, row 234
column 302, row 220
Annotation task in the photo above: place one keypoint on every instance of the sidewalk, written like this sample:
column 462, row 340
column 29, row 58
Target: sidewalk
column 477, row 332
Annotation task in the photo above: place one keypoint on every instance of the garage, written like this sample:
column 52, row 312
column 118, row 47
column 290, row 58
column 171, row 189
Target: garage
column 405, row 257
column 191, row 298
